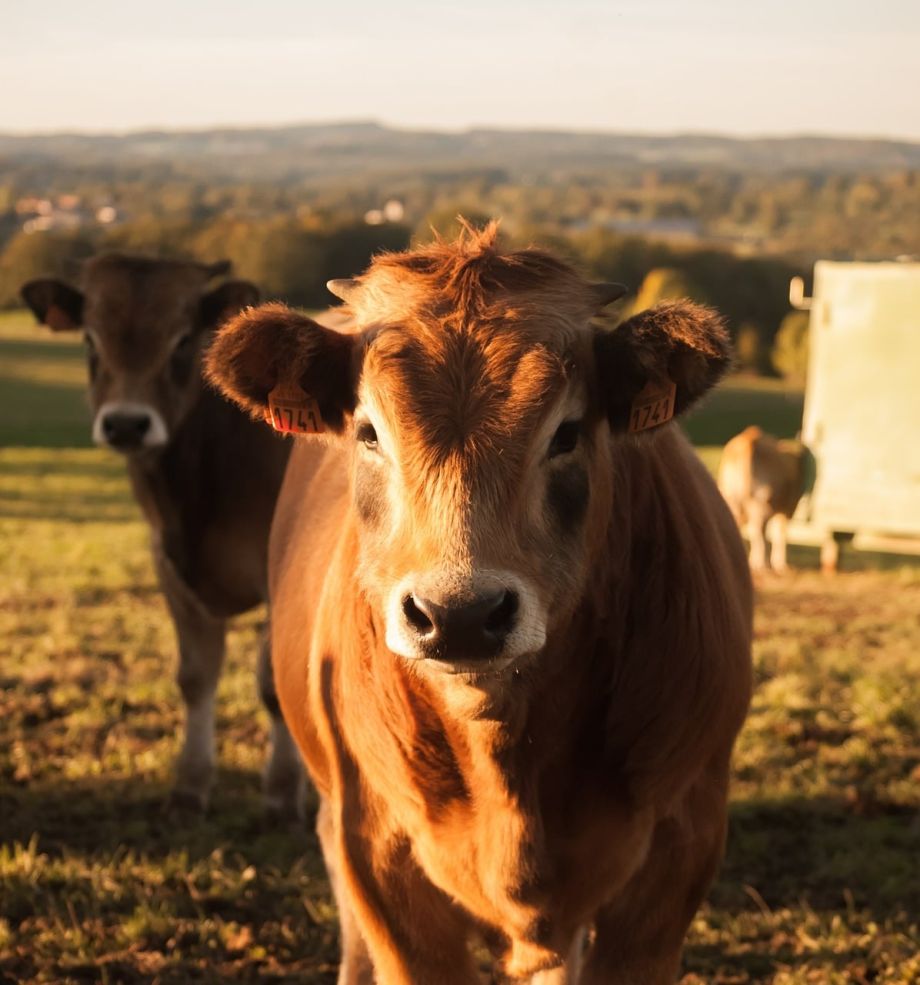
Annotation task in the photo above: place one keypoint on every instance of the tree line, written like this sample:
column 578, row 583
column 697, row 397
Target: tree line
column 740, row 237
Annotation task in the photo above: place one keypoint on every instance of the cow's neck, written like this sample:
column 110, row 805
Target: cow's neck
column 183, row 488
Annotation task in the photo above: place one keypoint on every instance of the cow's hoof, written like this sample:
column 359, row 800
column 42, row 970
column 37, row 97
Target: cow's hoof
column 187, row 802
column 295, row 806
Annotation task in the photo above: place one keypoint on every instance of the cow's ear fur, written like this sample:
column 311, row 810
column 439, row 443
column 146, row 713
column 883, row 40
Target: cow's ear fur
column 272, row 344
column 54, row 303
column 679, row 341
column 225, row 300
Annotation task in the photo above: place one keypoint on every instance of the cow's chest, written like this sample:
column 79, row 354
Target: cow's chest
column 534, row 862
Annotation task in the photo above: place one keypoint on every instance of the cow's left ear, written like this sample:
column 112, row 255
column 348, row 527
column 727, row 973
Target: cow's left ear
column 272, row 346
column 54, row 303
column 225, row 300
column 676, row 347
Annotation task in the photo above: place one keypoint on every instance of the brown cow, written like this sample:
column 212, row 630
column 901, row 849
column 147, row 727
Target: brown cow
column 512, row 639
column 762, row 480
column 204, row 475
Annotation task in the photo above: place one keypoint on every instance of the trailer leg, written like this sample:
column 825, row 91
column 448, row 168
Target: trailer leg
column 831, row 548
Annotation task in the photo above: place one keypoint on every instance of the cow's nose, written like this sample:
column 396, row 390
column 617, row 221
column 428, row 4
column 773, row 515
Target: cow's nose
column 462, row 630
column 124, row 430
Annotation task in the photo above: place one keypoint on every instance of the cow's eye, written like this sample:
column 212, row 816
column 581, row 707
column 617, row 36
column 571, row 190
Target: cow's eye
column 366, row 434
column 183, row 344
column 92, row 354
column 565, row 439
column 182, row 358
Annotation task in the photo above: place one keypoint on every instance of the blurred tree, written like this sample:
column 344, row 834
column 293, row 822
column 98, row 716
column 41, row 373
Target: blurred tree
column 790, row 348
column 443, row 222
column 348, row 249
column 150, row 235
column 751, row 355
column 39, row 254
column 665, row 284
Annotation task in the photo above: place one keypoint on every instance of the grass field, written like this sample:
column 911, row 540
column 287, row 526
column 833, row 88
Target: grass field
column 821, row 882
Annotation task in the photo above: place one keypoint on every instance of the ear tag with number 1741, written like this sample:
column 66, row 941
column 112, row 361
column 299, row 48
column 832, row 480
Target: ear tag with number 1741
column 653, row 405
column 291, row 411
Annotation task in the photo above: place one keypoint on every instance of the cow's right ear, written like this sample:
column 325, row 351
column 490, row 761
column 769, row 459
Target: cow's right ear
column 54, row 303
column 271, row 345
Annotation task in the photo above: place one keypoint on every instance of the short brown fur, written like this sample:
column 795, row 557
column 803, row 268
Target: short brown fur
column 582, row 785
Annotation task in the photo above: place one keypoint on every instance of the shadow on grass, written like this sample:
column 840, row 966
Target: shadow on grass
column 823, row 852
column 108, row 885
column 172, row 877
column 68, row 485
column 100, row 816
column 787, row 850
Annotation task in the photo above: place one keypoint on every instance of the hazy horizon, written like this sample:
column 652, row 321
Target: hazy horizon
column 657, row 67
column 409, row 128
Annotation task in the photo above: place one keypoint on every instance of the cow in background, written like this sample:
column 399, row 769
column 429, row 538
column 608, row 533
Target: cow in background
column 762, row 480
column 205, row 476
column 511, row 614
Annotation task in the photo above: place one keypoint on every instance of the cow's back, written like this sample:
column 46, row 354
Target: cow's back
column 757, row 472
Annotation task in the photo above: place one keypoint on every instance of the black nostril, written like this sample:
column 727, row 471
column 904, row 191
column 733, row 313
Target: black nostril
column 125, row 429
column 500, row 620
column 415, row 616
column 465, row 628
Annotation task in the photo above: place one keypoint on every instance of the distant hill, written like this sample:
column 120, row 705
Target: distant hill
column 321, row 150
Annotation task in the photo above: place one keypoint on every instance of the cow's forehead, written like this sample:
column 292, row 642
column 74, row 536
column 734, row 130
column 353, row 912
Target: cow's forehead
column 466, row 340
column 124, row 293
column 476, row 393
column 468, row 281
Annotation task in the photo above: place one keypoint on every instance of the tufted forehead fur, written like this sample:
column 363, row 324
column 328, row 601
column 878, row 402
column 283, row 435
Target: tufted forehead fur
column 471, row 282
column 468, row 344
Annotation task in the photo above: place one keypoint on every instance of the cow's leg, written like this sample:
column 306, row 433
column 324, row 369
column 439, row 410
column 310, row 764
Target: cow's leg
column 757, row 523
column 779, row 529
column 284, row 781
column 201, row 639
column 568, row 973
column 639, row 937
column 355, row 967
column 201, row 654
column 393, row 919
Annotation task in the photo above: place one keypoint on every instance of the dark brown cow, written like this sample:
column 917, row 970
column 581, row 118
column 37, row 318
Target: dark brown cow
column 205, row 476
column 762, row 480
column 512, row 639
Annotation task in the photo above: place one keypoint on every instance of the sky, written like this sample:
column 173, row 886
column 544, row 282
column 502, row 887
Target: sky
column 837, row 67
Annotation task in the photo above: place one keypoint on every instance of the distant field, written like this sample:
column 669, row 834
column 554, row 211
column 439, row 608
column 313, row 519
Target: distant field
column 42, row 385
column 43, row 375
column 740, row 401
column 821, row 882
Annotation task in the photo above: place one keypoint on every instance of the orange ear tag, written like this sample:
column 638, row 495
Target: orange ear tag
column 652, row 406
column 291, row 411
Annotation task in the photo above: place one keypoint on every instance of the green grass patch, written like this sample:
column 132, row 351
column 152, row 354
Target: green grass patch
column 43, row 386
column 740, row 401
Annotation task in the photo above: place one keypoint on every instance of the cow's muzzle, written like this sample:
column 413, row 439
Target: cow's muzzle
column 464, row 630
column 479, row 624
column 129, row 427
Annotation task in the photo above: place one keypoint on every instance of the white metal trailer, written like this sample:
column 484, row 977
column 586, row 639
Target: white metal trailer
column 862, row 407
